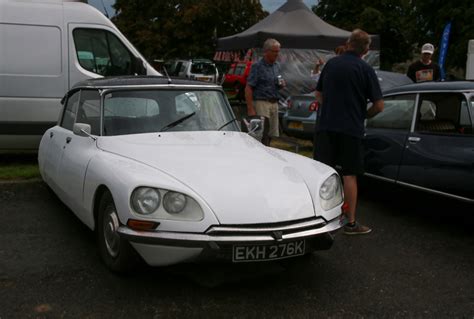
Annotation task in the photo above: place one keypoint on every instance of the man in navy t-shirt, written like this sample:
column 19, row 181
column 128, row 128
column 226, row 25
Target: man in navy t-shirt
column 345, row 85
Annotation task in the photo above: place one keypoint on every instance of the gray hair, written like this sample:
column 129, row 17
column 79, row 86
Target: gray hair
column 359, row 41
column 269, row 44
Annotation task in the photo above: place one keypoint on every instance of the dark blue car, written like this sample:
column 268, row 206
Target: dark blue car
column 424, row 138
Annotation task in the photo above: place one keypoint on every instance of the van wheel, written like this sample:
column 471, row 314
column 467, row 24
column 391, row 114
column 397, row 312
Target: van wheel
column 117, row 253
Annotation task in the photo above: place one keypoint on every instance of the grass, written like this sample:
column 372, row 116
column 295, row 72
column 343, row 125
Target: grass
column 294, row 145
column 18, row 167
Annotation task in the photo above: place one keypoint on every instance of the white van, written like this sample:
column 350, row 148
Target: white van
column 46, row 46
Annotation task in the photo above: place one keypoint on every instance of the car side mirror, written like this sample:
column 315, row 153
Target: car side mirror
column 255, row 125
column 81, row 129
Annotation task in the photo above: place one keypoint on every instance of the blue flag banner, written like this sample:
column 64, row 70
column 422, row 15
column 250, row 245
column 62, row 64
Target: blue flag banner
column 443, row 49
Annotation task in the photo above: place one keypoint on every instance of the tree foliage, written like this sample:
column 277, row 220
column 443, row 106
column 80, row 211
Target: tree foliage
column 404, row 25
column 183, row 28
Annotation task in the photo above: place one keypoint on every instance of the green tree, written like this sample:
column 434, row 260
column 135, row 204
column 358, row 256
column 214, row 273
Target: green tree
column 404, row 25
column 432, row 22
column 391, row 20
column 183, row 28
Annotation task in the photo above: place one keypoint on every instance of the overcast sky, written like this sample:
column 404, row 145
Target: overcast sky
column 268, row 5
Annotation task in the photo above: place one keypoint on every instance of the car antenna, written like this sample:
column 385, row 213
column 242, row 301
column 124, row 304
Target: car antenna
column 167, row 75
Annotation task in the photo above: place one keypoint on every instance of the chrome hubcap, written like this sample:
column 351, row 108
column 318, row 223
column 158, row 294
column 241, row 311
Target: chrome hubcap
column 111, row 237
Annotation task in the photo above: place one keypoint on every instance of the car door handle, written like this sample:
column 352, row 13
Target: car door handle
column 68, row 139
column 51, row 134
column 414, row 139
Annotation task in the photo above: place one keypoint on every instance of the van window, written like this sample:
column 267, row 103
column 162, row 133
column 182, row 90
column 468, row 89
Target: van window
column 70, row 111
column 101, row 52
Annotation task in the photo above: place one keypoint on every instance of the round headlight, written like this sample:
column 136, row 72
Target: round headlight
column 329, row 188
column 331, row 192
column 145, row 200
column 174, row 203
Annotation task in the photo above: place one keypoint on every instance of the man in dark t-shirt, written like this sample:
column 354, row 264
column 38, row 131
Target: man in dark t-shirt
column 424, row 70
column 345, row 85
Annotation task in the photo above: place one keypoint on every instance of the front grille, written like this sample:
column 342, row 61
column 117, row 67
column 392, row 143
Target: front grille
column 267, row 228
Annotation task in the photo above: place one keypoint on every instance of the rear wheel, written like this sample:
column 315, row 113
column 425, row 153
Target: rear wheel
column 116, row 252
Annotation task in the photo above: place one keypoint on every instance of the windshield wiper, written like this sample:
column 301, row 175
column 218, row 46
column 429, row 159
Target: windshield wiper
column 178, row 121
column 220, row 128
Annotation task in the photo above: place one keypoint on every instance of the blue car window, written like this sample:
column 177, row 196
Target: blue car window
column 443, row 113
column 397, row 113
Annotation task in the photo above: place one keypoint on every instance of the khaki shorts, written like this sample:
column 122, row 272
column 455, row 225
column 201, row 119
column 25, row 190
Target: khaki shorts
column 270, row 110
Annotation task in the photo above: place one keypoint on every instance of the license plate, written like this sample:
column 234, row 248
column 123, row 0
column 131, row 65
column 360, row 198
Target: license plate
column 204, row 79
column 268, row 252
column 295, row 125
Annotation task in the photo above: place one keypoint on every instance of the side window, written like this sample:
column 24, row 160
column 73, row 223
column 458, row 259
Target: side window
column 70, row 111
column 240, row 69
column 397, row 113
column 89, row 110
column 231, row 71
column 445, row 113
column 101, row 52
column 182, row 69
column 176, row 68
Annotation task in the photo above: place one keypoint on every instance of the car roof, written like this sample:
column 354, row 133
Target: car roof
column 433, row 87
column 136, row 81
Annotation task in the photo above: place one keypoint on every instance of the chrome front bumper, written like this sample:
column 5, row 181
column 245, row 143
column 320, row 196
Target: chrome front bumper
column 217, row 235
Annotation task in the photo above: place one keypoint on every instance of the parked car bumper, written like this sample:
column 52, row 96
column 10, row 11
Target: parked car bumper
column 299, row 127
column 160, row 248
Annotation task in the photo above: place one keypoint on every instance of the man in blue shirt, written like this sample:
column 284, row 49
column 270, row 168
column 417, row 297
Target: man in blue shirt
column 345, row 85
column 263, row 83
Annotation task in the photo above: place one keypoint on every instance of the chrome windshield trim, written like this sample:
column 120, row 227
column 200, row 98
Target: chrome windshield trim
column 197, row 239
column 251, row 229
column 147, row 86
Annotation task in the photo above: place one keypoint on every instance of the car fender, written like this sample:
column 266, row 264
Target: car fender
column 314, row 174
column 121, row 175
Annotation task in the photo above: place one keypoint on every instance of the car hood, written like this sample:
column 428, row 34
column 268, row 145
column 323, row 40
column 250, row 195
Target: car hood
column 241, row 180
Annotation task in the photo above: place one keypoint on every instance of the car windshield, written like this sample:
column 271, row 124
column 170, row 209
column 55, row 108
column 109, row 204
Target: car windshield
column 203, row 68
column 146, row 111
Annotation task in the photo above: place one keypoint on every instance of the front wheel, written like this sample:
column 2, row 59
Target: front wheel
column 117, row 253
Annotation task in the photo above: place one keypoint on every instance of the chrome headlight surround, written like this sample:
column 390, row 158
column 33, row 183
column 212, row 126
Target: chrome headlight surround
column 330, row 192
column 145, row 200
column 165, row 204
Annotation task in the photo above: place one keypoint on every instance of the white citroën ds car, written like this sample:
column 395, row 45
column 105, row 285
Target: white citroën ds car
column 159, row 167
